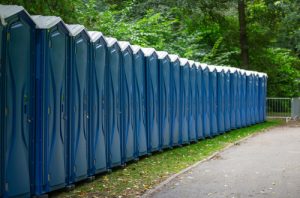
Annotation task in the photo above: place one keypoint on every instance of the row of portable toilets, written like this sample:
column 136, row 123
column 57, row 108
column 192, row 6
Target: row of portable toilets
column 75, row 103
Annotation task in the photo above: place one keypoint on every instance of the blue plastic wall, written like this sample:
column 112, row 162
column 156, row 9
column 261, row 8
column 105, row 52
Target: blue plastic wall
column 227, row 106
column 264, row 98
column 238, row 100
column 243, row 99
column 140, row 102
column 153, row 110
column 221, row 103
column 256, row 99
column 1, row 114
column 176, row 95
column 78, row 112
column 98, row 108
column 128, row 106
column 233, row 98
column 185, row 103
column 199, row 104
column 249, row 113
column 206, row 102
column 17, row 108
column 193, row 104
column 114, row 139
column 165, row 101
column 213, row 102
column 51, row 110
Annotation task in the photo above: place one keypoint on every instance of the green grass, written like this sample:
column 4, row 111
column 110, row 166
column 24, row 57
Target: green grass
column 138, row 177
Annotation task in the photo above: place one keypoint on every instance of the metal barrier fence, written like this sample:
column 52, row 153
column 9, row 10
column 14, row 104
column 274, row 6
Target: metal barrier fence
column 279, row 108
column 295, row 108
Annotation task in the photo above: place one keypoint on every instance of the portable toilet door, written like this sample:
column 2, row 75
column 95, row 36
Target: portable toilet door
column 260, row 97
column 238, row 99
column 128, row 106
column 140, row 100
column 249, row 85
column 185, row 99
column 256, row 90
column 192, row 109
column 265, row 96
column 206, row 100
column 233, row 97
column 220, row 99
column 227, row 114
column 165, row 98
column 97, row 149
column 176, row 93
column 114, row 130
column 17, row 101
column 1, row 116
column 79, row 72
column 153, row 111
column 243, row 98
column 213, row 100
column 199, row 103
column 52, row 59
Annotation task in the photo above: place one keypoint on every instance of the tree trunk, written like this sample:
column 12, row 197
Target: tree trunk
column 243, row 34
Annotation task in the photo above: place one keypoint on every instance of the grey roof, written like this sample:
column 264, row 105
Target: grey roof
column 75, row 29
column 148, row 51
column 7, row 11
column 110, row 41
column 135, row 48
column 161, row 54
column 191, row 62
column 45, row 22
column 212, row 68
column 197, row 64
column 173, row 57
column 233, row 69
column 183, row 61
column 219, row 68
column 123, row 45
column 203, row 66
column 94, row 35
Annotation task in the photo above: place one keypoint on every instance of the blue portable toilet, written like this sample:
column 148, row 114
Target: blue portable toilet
column 238, row 99
column 206, row 100
column 97, row 148
column 264, row 90
column 260, row 97
column 193, row 98
column 140, row 100
column 127, row 103
column 79, row 72
column 243, row 97
column 249, row 99
column 213, row 100
column 153, row 110
column 114, row 128
column 185, row 99
column 256, row 90
column 176, row 93
column 17, row 102
column 199, row 102
column 221, row 99
column 227, row 107
column 52, row 50
column 165, row 98
column 233, row 96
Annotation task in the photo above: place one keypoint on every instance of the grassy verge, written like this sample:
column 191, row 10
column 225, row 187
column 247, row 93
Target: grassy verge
column 136, row 178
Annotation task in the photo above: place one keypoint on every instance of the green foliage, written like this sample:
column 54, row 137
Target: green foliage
column 205, row 31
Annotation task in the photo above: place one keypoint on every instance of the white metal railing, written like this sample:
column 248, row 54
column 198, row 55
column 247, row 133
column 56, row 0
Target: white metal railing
column 279, row 108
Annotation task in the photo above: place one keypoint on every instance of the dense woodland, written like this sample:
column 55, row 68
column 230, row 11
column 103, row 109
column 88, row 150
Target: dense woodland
column 262, row 35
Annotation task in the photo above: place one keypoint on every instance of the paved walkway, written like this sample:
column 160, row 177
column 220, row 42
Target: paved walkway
column 265, row 165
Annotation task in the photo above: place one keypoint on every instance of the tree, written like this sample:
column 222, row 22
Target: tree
column 243, row 34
